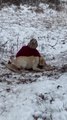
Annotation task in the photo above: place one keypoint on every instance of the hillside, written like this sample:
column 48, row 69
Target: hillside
column 31, row 95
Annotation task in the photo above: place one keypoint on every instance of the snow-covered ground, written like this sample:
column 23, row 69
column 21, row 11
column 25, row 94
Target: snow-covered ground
column 33, row 96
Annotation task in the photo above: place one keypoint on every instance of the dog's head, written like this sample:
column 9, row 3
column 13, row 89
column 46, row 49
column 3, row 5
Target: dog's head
column 41, row 61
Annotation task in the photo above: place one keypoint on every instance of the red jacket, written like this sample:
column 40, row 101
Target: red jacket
column 27, row 51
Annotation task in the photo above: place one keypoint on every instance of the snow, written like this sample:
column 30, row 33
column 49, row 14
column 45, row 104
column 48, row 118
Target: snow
column 31, row 95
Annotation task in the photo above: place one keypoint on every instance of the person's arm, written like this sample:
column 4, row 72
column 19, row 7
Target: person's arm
column 24, row 51
column 20, row 52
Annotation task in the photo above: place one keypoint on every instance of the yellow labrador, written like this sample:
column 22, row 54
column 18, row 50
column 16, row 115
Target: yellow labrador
column 30, row 62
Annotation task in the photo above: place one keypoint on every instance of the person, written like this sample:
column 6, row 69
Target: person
column 29, row 49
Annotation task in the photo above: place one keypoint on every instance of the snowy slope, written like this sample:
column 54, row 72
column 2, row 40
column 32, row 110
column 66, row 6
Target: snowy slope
column 33, row 96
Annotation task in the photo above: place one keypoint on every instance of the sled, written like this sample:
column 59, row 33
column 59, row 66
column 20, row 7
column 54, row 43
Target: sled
column 12, row 67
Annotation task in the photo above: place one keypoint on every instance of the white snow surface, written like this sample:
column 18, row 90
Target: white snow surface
column 31, row 95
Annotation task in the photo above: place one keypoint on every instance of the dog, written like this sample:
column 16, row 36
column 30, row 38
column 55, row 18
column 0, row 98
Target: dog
column 30, row 62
